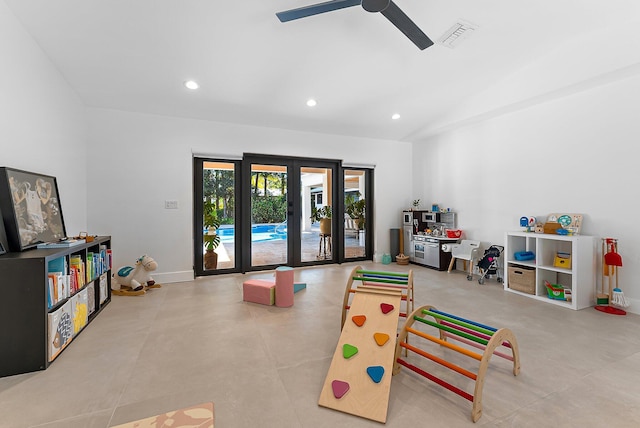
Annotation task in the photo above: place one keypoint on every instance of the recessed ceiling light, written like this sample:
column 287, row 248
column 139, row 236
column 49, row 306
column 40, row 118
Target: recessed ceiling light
column 191, row 84
column 311, row 102
column 395, row 116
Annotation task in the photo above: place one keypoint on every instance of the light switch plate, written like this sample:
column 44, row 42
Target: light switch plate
column 171, row 205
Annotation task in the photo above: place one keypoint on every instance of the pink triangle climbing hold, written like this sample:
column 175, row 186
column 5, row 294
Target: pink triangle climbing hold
column 349, row 351
column 381, row 338
column 386, row 308
column 375, row 373
column 359, row 320
column 340, row 388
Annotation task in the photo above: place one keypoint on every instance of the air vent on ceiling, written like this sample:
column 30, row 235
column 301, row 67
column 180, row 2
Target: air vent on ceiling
column 457, row 33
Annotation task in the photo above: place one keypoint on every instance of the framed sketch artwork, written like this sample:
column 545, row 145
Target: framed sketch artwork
column 30, row 208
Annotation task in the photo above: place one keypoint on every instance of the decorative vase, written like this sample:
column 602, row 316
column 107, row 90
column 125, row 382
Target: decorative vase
column 210, row 260
column 325, row 226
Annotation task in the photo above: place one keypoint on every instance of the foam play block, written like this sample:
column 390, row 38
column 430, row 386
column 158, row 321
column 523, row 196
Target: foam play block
column 284, row 286
column 297, row 286
column 259, row 291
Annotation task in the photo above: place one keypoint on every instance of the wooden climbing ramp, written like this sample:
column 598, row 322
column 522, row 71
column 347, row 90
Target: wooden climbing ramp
column 359, row 379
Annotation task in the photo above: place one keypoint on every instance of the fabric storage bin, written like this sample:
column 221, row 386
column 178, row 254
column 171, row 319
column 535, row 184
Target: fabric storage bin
column 522, row 278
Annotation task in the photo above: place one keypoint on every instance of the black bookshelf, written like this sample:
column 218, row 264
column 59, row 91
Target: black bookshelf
column 24, row 308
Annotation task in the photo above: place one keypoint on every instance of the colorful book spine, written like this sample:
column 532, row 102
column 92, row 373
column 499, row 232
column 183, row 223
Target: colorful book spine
column 78, row 270
column 89, row 267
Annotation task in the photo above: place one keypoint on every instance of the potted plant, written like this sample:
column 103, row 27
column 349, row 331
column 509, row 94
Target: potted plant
column 322, row 216
column 211, row 238
column 356, row 210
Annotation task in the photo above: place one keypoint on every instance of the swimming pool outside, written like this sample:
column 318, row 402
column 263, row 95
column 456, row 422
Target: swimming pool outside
column 259, row 232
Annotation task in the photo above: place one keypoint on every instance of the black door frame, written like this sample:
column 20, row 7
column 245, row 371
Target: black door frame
column 198, row 195
column 294, row 207
column 242, row 249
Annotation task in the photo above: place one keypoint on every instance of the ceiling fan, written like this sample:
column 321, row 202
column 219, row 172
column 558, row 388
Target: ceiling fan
column 387, row 7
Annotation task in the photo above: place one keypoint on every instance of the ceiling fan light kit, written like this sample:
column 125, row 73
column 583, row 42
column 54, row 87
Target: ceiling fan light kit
column 386, row 7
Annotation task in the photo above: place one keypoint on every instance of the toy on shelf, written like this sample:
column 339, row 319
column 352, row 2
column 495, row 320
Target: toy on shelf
column 564, row 224
column 528, row 222
column 557, row 291
column 135, row 280
column 524, row 255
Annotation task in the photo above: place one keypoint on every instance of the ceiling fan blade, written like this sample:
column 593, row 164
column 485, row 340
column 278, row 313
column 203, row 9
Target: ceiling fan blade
column 303, row 12
column 407, row 26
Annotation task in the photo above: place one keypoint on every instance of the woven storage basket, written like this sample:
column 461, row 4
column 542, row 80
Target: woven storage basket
column 402, row 259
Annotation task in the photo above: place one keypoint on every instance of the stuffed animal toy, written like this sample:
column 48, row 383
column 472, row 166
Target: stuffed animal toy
column 134, row 280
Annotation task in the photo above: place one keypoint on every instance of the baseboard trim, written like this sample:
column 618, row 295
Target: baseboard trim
column 169, row 277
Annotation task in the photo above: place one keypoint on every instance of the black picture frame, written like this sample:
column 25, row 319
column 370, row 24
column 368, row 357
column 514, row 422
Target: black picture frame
column 31, row 209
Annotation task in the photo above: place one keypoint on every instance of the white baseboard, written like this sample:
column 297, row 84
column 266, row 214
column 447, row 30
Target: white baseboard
column 169, row 277
column 634, row 307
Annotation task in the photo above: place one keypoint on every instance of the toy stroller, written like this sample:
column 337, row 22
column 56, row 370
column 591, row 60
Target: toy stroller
column 489, row 264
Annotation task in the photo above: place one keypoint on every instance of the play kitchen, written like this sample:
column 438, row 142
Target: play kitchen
column 424, row 234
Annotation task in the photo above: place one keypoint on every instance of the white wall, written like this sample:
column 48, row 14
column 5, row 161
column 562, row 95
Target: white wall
column 42, row 121
column 574, row 154
column 143, row 160
column 543, row 141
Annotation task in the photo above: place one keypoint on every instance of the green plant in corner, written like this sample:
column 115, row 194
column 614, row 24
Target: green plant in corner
column 356, row 209
column 211, row 224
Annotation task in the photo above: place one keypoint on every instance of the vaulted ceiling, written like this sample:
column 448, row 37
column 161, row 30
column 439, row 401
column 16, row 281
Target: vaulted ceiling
column 252, row 69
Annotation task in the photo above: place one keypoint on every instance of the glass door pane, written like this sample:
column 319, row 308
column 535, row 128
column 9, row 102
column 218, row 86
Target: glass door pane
column 316, row 213
column 218, row 214
column 354, row 214
column 269, row 215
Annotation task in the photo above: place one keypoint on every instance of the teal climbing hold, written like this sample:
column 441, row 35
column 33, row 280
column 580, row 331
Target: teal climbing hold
column 375, row 373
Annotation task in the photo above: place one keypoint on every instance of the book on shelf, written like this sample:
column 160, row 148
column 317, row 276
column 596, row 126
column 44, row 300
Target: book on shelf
column 79, row 311
column 89, row 267
column 57, row 265
column 91, row 298
column 77, row 268
column 103, row 288
column 61, row 244
column 52, row 290
column 60, row 331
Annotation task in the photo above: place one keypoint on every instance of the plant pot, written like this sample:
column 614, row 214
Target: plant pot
column 325, row 226
column 210, row 260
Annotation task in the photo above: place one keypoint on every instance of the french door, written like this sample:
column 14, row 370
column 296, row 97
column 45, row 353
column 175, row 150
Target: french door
column 274, row 211
column 282, row 232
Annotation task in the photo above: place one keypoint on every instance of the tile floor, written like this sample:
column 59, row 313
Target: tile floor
column 264, row 366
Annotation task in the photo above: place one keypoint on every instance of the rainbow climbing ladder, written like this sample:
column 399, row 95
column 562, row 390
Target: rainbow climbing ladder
column 359, row 379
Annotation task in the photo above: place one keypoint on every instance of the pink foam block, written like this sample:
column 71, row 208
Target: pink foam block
column 284, row 286
column 258, row 291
